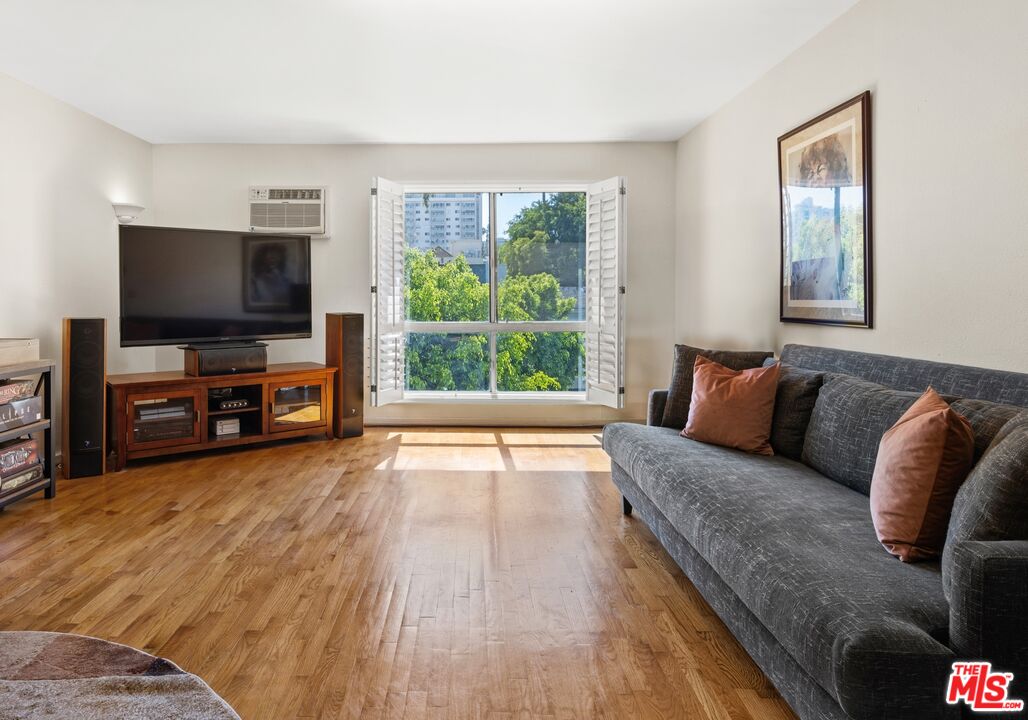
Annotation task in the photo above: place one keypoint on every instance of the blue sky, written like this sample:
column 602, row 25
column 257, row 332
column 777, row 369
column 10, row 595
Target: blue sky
column 510, row 204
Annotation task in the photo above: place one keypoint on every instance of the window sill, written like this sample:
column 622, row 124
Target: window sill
column 500, row 398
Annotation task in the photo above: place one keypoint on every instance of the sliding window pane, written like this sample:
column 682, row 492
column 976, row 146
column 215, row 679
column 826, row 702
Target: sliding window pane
column 447, row 362
column 541, row 256
column 540, row 361
column 447, row 258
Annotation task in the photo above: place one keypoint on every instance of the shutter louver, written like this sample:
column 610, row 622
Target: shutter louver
column 605, row 272
column 387, row 299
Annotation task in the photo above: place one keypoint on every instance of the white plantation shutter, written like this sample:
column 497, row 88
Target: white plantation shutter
column 387, row 306
column 604, row 292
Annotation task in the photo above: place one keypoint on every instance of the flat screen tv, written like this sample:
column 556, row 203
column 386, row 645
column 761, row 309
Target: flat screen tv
column 204, row 286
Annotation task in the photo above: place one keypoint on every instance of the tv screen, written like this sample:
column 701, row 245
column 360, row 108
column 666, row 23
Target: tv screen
column 191, row 286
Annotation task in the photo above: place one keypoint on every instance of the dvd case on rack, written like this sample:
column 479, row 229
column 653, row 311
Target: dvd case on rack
column 20, row 412
column 14, row 482
column 16, row 390
column 17, row 455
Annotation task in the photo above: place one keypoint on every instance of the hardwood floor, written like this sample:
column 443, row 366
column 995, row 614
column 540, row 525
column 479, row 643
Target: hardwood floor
column 407, row 574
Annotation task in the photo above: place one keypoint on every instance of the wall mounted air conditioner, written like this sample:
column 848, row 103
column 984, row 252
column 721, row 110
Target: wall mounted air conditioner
column 288, row 209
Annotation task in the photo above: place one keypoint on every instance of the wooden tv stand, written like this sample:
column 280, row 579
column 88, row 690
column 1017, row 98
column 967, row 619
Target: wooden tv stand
column 163, row 413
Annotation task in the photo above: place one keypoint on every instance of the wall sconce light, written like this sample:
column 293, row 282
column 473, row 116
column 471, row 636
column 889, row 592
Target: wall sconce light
column 127, row 213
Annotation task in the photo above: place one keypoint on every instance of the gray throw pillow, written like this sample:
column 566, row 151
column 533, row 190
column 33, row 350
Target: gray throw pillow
column 846, row 427
column 794, row 402
column 992, row 504
column 676, row 410
column 986, row 418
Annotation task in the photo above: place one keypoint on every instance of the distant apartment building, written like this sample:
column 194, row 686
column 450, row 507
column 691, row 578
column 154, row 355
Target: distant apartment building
column 450, row 224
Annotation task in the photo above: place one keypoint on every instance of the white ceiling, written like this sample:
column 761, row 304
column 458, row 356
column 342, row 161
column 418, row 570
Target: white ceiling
column 402, row 71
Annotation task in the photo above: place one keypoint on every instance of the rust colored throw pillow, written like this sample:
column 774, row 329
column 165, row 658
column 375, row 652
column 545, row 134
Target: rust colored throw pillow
column 732, row 408
column 922, row 461
column 679, row 392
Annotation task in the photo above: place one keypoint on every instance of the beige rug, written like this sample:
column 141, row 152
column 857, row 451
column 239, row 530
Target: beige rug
column 56, row 675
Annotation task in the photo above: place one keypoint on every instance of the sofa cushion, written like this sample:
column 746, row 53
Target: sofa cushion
column 986, row 418
column 801, row 553
column 794, row 402
column 992, row 504
column 849, row 419
column 999, row 386
column 676, row 409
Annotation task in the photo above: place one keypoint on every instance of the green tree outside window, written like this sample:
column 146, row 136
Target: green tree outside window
column 545, row 238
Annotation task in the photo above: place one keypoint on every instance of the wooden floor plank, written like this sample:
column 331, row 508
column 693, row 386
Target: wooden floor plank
column 459, row 573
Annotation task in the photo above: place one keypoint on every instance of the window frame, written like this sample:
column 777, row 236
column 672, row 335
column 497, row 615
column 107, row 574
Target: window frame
column 494, row 325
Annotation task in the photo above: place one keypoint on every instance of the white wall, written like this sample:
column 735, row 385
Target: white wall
column 206, row 186
column 60, row 170
column 950, row 186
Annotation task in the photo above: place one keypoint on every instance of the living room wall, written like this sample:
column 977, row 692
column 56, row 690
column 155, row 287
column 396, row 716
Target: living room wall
column 206, row 186
column 949, row 186
column 60, row 170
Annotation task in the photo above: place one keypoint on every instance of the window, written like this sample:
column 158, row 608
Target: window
column 525, row 303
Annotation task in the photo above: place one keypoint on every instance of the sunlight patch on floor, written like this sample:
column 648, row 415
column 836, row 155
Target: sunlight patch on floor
column 484, row 450
column 444, row 438
column 560, row 459
column 551, row 438
column 465, row 458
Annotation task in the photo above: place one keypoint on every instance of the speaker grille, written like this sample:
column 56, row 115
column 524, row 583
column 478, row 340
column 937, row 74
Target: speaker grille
column 229, row 360
column 345, row 351
column 84, row 396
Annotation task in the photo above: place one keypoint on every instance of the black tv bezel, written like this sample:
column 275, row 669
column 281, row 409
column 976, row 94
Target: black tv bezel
column 208, row 339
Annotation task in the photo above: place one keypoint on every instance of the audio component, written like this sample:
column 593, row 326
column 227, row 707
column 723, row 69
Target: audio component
column 84, row 430
column 225, row 426
column 225, row 359
column 167, row 428
column 344, row 350
column 233, row 404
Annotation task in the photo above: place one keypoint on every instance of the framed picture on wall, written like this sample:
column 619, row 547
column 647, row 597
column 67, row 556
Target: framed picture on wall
column 824, row 176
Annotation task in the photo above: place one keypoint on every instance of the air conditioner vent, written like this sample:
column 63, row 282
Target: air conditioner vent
column 288, row 209
column 294, row 193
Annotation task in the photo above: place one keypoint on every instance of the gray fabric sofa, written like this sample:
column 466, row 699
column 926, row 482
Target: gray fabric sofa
column 789, row 558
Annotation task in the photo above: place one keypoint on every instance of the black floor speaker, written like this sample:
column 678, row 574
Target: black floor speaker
column 344, row 350
column 84, row 376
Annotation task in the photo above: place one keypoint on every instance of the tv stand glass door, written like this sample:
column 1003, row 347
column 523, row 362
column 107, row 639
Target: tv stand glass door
column 163, row 419
column 293, row 406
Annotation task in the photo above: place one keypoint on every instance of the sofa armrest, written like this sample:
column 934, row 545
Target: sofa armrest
column 987, row 604
column 655, row 408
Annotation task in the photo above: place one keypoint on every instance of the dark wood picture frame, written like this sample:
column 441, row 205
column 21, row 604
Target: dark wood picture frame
column 863, row 113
